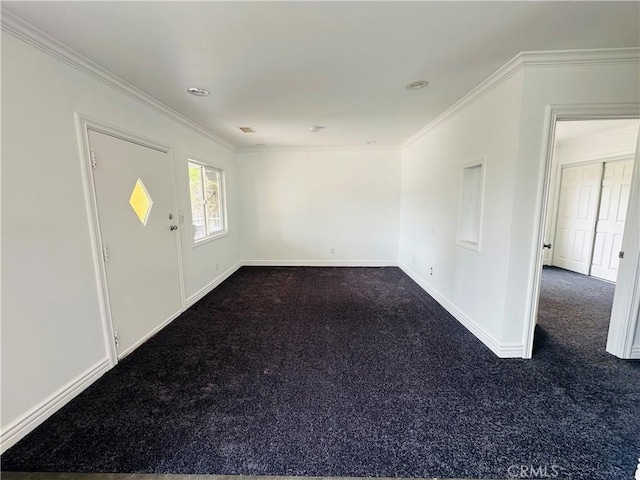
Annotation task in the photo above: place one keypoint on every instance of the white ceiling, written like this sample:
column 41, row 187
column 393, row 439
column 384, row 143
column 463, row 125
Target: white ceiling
column 281, row 67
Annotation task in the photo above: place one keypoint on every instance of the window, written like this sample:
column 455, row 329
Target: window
column 470, row 219
column 206, row 188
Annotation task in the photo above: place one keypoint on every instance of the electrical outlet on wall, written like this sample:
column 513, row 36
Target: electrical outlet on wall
column 217, row 266
column 332, row 251
column 431, row 273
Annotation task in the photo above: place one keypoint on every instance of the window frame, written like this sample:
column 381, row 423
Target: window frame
column 205, row 166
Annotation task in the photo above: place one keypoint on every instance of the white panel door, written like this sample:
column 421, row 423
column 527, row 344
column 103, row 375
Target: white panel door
column 579, row 191
column 134, row 200
column 616, row 183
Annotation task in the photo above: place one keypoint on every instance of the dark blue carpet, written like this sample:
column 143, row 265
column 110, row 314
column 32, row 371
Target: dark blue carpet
column 353, row 372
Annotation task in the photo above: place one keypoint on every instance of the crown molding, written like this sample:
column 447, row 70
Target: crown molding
column 511, row 68
column 345, row 148
column 26, row 32
column 531, row 60
column 580, row 57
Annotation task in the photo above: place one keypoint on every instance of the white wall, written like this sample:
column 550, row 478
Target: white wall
column 472, row 283
column 490, row 291
column 298, row 205
column 294, row 206
column 51, row 328
column 599, row 146
column 580, row 84
column 611, row 143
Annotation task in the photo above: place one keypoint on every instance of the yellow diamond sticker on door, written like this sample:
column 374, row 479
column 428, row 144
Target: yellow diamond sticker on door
column 141, row 202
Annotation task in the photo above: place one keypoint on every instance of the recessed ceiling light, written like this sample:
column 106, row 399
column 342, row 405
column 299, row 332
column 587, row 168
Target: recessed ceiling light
column 417, row 85
column 316, row 128
column 198, row 92
column 247, row 129
column 371, row 142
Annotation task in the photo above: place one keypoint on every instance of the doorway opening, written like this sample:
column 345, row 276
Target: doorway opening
column 590, row 180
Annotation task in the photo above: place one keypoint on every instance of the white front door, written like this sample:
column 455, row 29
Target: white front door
column 135, row 214
column 616, row 183
column 579, row 191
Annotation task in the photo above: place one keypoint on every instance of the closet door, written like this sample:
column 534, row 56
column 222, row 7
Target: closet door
column 579, row 193
column 616, row 183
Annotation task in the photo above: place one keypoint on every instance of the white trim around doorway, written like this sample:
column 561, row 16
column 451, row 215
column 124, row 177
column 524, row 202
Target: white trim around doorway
column 624, row 319
column 83, row 125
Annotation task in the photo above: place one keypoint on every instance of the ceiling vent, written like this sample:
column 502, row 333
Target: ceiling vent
column 247, row 129
column 417, row 85
column 198, row 92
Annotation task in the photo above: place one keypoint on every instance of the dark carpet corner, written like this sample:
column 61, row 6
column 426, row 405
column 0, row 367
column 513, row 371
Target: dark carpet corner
column 353, row 372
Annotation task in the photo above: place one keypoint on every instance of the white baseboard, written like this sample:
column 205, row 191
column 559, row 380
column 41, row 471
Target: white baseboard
column 320, row 263
column 28, row 421
column 511, row 350
column 146, row 337
column 189, row 302
column 635, row 353
column 207, row 288
column 501, row 350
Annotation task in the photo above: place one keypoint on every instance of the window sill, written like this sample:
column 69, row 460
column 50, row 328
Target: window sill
column 475, row 246
column 210, row 238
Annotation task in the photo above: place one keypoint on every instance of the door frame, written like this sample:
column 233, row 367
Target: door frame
column 623, row 325
column 83, row 125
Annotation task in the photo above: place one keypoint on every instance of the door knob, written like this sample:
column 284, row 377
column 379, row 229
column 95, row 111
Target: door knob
column 546, row 245
column 173, row 227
